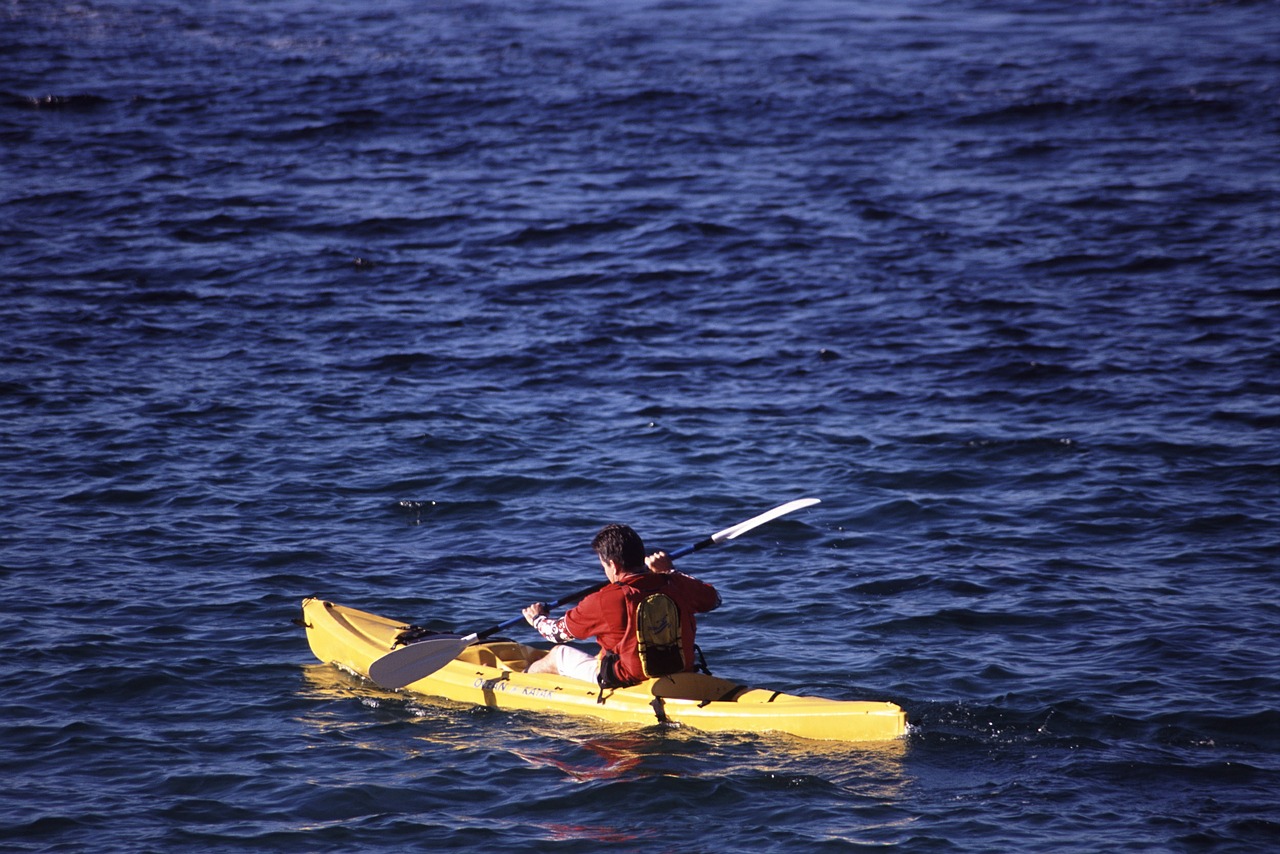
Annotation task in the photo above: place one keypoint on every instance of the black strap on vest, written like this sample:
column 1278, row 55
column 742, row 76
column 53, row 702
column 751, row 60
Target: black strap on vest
column 701, row 663
column 608, row 675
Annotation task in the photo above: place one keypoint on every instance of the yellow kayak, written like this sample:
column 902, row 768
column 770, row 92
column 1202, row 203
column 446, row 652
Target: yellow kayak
column 491, row 673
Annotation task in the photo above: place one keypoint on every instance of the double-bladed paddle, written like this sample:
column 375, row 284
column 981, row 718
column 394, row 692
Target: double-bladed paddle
column 408, row 664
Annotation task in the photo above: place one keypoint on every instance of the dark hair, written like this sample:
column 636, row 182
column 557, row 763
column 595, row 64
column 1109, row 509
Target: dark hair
column 620, row 544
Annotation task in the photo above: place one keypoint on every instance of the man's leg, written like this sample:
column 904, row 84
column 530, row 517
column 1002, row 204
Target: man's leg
column 567, row 661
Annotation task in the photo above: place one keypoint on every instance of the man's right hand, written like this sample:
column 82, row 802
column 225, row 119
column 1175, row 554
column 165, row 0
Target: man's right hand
column 659, row 562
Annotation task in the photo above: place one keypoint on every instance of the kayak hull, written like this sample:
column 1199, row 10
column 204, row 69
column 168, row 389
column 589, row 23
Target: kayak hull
column 492, row 674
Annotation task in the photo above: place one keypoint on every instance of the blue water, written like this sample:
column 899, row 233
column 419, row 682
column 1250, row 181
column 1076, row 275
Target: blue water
column 396, row 303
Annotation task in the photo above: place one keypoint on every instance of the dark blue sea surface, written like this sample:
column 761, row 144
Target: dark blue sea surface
column 397, row 302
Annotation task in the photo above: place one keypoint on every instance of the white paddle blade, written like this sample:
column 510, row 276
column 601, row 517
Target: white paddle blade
column 407, row 664
column 768, row 516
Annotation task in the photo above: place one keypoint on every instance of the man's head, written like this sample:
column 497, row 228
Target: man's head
column 620, row 544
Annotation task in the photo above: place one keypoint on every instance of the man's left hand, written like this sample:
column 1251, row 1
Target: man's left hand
column 534, row 611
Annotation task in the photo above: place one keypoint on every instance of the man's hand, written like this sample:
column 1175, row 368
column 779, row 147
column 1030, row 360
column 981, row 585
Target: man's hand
column 534, row 611
column 659, row 562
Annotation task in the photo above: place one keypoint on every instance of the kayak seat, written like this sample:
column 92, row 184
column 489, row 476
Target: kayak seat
column 501, row 655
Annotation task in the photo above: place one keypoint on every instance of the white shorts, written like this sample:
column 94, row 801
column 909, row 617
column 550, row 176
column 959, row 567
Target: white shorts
column 575, row 663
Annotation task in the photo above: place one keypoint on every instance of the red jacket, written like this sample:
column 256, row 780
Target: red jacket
column 609, row 615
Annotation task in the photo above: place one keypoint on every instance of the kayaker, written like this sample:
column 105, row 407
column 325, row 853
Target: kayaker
column 628, row 650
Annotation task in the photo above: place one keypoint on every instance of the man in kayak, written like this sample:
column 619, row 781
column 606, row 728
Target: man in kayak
column 627, row 618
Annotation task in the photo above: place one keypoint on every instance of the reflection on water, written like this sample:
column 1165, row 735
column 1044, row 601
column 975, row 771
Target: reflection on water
column 572, row 832
column 593, row 759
